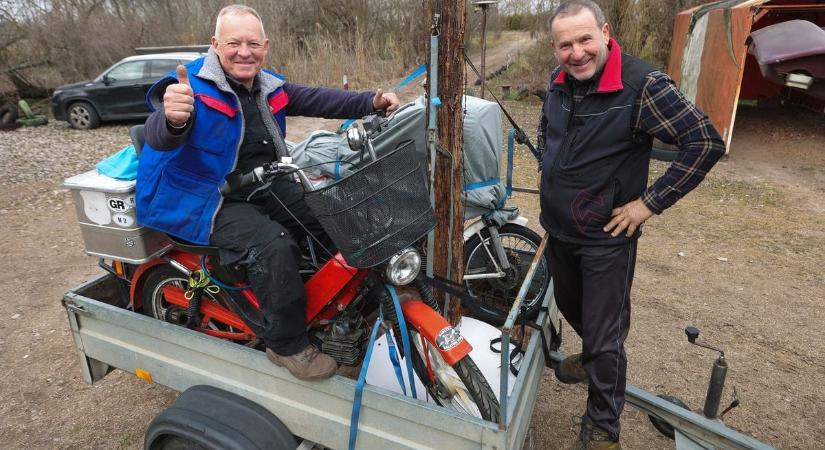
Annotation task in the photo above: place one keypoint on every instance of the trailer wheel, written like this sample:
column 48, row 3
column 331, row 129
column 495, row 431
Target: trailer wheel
column 205, row 417
column 661, row 426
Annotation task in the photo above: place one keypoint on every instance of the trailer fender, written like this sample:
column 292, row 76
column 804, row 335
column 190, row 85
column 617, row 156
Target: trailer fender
column 208, row 417
column 432, row 326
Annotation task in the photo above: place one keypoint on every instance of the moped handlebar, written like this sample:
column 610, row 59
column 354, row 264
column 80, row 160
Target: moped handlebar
column 263, row 174
column 358, row 138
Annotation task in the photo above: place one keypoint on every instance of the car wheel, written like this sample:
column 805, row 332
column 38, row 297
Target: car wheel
column 82, row 116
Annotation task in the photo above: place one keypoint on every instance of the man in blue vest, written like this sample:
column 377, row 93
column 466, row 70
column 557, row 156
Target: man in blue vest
column 222, row 113
column 603, row 109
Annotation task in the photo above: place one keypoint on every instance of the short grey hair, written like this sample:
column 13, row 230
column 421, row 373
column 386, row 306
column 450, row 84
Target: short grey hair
column 238, row 10
column 573, row 7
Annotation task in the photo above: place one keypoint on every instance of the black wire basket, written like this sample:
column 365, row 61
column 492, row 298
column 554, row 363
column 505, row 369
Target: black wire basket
column 377, row 211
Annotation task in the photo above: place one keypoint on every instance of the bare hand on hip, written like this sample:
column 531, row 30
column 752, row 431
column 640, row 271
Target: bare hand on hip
column 179, row 100
column 628, row 218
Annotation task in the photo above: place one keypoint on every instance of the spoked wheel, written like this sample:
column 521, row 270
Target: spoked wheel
column 460, row 387
column 156, row 305
column 496, row 293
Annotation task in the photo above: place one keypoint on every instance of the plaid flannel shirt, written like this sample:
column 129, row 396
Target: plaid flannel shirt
column 661, row 111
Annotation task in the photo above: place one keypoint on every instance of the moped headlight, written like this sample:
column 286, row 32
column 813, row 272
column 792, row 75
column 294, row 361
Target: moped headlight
column 403, row 267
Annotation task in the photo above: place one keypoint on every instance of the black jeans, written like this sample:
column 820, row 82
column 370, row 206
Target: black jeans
column 260, row 235
column 592, row 288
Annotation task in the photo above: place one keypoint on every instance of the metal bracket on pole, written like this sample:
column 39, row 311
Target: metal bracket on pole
column 432, row 133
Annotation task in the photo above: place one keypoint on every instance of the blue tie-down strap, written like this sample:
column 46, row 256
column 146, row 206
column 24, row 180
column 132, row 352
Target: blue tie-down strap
column 415, row 74
column 405, row 337
column 362, row 377
column 359, row 387
column 396, row 365
column 481, row 184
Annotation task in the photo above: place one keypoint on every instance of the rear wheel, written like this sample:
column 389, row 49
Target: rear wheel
column 83, row 116
column 497, row 294
column 156, row 305
column 461, row 387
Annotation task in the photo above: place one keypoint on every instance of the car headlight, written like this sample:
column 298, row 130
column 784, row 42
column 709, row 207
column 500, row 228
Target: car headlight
column 403, row 267
column 56, row 93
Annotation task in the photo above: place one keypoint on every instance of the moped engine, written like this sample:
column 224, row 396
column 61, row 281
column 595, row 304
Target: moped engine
column 344, row 340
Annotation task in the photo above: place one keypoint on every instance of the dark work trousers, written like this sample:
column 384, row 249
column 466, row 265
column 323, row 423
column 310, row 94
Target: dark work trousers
column 258, row 234
column 592, row 288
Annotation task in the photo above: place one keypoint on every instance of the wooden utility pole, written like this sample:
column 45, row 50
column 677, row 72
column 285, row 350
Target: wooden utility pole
column 448, row 260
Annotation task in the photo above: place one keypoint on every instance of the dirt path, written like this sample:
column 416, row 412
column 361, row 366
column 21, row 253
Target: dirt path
column 504, row 52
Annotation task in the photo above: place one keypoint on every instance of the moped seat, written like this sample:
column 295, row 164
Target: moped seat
column 190, row 247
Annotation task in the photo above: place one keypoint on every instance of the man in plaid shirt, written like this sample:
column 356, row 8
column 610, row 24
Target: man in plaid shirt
column 603, row 109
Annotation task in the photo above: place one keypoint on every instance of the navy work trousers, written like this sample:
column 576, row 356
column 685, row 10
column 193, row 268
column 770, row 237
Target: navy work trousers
column 592, row 288
column 260, row 235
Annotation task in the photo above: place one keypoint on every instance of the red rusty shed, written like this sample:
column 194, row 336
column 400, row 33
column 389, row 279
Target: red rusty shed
column 709, row 57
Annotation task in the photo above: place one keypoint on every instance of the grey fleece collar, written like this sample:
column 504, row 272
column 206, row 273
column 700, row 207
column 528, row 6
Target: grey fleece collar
column 212, row 71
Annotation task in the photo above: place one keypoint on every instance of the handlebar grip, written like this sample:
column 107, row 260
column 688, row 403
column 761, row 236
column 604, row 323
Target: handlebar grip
column 236, row 180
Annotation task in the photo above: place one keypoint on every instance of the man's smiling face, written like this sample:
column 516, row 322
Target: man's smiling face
column 580, row 44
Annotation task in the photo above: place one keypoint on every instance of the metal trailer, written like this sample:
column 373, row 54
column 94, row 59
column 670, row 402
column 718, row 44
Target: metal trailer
column 109, row 337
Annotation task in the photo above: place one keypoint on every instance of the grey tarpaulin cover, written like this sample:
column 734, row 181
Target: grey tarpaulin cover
column 484, row 193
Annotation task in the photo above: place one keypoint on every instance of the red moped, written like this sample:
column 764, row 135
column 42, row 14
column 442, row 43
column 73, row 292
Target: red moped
column 377, row 218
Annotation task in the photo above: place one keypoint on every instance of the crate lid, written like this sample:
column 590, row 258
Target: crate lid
column 95, row 181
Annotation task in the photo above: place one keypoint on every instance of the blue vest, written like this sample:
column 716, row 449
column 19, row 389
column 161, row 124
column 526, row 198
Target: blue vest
column 178, row 190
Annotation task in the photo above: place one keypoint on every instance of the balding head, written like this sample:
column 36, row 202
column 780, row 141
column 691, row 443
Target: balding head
column 237, row 10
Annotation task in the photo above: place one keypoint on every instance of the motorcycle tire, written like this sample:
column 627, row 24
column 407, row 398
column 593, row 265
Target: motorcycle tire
column 482, row 401
column 496, row 296
column 154, row 305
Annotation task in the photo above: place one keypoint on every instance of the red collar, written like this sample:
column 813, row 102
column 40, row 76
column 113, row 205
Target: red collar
column 611, row 80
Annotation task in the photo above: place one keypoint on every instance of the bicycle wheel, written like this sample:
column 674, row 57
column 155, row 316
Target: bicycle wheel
column 496, row 293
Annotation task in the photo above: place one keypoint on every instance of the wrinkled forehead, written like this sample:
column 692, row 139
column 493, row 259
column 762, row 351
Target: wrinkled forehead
column 239, row 25
column 574, row 26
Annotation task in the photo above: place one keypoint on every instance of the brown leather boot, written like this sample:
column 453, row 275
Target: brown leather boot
column 592, row 437
column 570, row 370
column 309, row 364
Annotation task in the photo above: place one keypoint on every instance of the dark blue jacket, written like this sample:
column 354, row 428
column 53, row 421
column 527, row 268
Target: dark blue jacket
column 593, row 160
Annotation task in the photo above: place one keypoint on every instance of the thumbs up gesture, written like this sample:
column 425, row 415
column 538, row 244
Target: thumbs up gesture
column 178, row 101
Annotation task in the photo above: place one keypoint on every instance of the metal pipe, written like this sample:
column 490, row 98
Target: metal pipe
column 715, row 387
column 483, row 48
column 432, row 139
column 504, row 380
column 528, row 279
